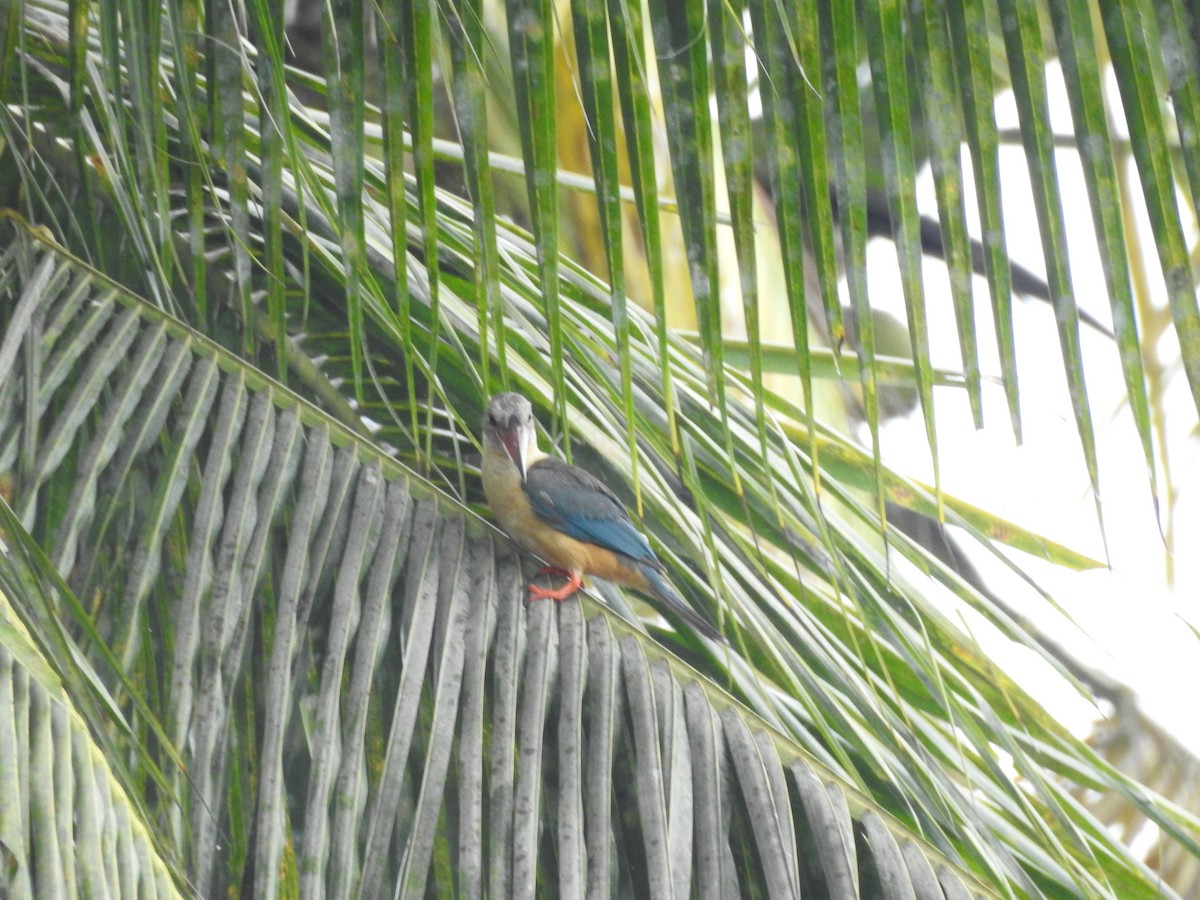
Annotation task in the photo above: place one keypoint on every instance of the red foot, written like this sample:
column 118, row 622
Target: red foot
column 574, row 583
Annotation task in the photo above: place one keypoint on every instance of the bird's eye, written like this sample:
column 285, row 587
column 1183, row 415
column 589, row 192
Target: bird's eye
column 491, row 420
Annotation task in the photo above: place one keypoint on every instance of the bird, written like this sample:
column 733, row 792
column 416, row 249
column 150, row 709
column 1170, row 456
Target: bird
column 566, row 515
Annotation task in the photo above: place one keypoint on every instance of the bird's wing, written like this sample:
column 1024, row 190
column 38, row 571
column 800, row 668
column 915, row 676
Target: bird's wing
column 580, row 505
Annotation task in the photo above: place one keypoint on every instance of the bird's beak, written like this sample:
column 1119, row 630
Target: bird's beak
column 514, row 446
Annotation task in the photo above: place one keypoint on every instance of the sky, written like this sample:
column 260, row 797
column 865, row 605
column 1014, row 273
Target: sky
column 1133, row 616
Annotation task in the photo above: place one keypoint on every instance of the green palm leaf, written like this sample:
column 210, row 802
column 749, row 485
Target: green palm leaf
column 323, row 613
column 321, row 654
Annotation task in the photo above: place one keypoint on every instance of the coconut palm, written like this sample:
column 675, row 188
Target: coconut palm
column 257, row 636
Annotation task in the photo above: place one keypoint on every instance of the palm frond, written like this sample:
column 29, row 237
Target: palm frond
column 159, row 472
column 343, row 664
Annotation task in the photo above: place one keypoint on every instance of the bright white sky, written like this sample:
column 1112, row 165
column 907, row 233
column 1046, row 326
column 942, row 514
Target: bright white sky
column 1130, row 612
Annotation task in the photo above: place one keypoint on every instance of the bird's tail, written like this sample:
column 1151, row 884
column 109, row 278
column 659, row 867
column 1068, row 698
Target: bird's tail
column 665, row 591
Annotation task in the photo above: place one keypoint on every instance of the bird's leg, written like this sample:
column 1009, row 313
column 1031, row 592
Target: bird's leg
column 574, row 583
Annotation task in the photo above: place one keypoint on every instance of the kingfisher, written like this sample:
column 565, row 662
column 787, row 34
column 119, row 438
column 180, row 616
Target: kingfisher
column 567, row 516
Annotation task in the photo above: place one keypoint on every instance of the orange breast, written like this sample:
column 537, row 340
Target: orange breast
column 568, row 553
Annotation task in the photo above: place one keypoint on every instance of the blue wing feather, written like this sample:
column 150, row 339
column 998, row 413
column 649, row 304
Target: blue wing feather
column 580, row 505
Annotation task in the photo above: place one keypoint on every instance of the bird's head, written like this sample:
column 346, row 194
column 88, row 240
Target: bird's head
column 508, row 428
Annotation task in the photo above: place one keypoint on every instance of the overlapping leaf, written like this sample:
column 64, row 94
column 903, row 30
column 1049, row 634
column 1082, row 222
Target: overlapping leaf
column 759, row 509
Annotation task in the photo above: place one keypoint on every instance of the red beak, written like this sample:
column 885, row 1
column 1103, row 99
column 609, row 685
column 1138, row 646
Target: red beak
column 512, row 446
